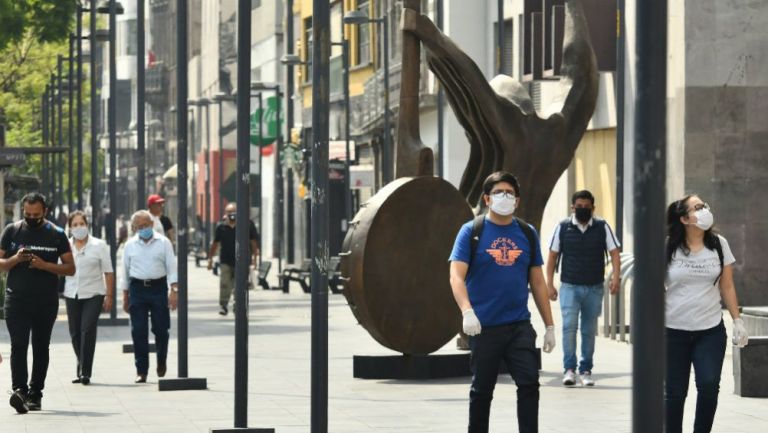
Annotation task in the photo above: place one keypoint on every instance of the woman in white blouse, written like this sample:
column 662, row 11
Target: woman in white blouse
column 87, row 293
column 699, row 278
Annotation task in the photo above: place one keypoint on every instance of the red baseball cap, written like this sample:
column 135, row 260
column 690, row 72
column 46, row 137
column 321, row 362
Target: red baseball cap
column 154, row 199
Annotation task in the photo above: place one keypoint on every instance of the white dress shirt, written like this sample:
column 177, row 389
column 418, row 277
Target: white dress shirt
column 149, row 260
column 92, row 261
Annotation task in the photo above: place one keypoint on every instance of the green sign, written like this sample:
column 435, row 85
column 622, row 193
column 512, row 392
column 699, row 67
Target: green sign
column 268, row 120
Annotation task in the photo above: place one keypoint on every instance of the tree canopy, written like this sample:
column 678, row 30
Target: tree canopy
column 43, row 20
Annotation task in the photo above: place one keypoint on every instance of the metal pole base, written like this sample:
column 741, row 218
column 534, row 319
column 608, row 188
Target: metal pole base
column 113, row 322
column 242, row 430
column 128, row 348
column 182, row 384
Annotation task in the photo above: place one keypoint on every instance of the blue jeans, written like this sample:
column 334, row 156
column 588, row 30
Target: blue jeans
column 705, row 350
column 515, row 345
column 585, row 302
column 149, row 303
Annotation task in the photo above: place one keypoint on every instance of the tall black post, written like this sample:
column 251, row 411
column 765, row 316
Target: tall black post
column 277, row 238
column 650, row 178
column 79, row 89
column 45, row 132
column 321, row 33
column 181, row 161
column 112, row 127
column 259, row 201
column 242, row 266
column 387, row 153
column 620, row 41
column 58, row 158
column 141, row 133
column 347, row 115
column 51, row 159
column 500, row 37
column 221, row 155
column 70, row 127
column 95, row 222
column 289, row 89
column 207, row 156
column 440, row 102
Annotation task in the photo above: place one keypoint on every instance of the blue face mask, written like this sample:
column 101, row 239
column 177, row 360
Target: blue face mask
column 145, row 233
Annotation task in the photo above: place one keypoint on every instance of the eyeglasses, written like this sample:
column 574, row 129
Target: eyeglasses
column 699, row 206
column 502, row 194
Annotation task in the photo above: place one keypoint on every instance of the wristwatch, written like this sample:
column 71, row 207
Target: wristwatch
column 175, row 289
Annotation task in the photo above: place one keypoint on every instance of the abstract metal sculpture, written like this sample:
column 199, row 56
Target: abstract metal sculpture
column 503, row 128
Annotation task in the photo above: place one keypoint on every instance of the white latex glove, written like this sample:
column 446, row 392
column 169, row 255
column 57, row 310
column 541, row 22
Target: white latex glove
column 470, row 324
column 549, row 339
column 740, row 336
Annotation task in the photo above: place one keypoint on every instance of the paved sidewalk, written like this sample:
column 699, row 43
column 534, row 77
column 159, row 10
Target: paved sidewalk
column 279, row 382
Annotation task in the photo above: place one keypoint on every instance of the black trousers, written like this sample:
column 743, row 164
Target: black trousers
column 83, row 316
column 515, row 344
column 25, row 317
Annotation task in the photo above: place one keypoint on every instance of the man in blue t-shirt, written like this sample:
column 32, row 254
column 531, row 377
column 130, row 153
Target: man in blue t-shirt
column 490, row 285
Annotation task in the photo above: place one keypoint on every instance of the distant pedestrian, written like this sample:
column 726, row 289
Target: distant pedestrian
column 160, row 222
column 34, row 252
column 225, row 237
column 87, row 293
column 150, row 269
column 699, row 279
column 580, row 243
column 494, row 260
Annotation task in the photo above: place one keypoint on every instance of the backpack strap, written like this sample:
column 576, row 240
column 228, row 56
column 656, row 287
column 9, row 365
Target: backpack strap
column 477, row 229
column 528, row 232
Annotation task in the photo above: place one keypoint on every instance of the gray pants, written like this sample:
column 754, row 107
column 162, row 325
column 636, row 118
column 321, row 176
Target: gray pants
column 226, row 283
column 83, row 317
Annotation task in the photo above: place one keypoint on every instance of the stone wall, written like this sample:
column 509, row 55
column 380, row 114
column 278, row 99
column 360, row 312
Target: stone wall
column 726, row 129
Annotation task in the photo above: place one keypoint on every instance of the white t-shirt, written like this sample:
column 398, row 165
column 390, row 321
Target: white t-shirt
column 693, row 296
column 91, row 263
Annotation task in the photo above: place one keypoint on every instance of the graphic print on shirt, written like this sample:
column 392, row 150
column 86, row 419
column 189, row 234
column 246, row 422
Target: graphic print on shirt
column 504, row 251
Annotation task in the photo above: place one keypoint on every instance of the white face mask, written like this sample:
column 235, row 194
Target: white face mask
column 704, row 219
column 79, row 233
column 503, row 205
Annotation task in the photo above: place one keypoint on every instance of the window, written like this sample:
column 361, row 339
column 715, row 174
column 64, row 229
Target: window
column 363, row 36
column 508, row 52
column 308, row 50
column 128, row 38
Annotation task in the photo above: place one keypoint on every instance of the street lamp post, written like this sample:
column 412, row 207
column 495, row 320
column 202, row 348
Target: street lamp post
column 70, row 126
column 59, row 159
column 278, row 168
column 360, row 18
column 141, row 183
column 289, row 89
column 79, row 140
column 112, row 8
column 205, row 103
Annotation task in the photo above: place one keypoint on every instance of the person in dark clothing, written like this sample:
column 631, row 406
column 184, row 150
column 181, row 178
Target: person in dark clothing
column 225, row 237
column 30, row 251
column 582, row 241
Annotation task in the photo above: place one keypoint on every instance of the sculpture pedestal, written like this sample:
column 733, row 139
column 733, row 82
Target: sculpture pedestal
column 411, row 367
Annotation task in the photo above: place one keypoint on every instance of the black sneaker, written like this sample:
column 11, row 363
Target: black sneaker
column 33, row 400
column 17, row 401
column 223, row 311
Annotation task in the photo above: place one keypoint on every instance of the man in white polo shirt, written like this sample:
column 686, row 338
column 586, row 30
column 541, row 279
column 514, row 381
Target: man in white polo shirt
column 150, row 269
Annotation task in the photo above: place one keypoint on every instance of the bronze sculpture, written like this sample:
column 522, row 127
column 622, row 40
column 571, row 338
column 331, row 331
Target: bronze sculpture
column 395, row 261
column 503, row 129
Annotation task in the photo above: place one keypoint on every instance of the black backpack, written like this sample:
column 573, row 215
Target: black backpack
column 477, row 229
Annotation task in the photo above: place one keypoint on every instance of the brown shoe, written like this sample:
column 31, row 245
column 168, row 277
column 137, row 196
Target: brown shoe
column 140, row 378
column 161, row 369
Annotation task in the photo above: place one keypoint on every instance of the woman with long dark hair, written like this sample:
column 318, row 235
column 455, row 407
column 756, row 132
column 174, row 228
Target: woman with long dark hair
column 87, row 293
column 699, row 277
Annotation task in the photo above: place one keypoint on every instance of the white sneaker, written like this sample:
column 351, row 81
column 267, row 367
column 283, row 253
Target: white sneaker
column 586, row 379
column 570, row 378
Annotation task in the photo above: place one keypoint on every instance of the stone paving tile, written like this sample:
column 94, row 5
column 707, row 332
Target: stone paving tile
column 279, row 382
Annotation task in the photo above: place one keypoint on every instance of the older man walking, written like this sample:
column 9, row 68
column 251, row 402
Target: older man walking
column 150, row 269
